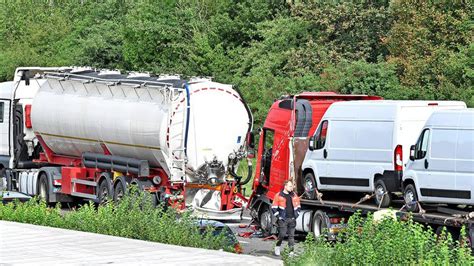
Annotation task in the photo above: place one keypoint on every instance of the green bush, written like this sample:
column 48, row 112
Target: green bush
column 388, row 242
column 133, row 217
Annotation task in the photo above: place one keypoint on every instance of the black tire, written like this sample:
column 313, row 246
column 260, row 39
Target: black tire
column 119, row 191
column 319, row 226
column 310, row 186
column 380, row 189
column 411, row 198
column 43, row 188
column 267, row 222
column 104, row 194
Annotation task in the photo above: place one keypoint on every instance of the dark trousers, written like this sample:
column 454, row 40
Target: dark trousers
column 286, row 226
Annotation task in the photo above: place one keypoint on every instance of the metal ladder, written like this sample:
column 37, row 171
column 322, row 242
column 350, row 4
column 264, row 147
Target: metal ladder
column 177, row 155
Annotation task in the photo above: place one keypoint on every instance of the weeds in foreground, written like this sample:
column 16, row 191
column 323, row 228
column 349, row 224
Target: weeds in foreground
column 387, row 242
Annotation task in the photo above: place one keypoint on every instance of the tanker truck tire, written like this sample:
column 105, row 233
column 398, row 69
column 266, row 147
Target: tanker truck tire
column 104, row 195
column 119, row 191
column 43, row 192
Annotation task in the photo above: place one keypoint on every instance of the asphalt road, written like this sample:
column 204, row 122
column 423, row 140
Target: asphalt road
column 257, row 245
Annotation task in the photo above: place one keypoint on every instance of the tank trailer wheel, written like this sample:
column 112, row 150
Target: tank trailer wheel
column 104, row 194
column 119, row 191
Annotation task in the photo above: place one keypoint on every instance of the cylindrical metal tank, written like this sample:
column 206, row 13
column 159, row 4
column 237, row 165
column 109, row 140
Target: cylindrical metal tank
column 144, row 118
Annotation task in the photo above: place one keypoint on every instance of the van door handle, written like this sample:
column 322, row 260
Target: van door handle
column 426, row 164
column 325, row 153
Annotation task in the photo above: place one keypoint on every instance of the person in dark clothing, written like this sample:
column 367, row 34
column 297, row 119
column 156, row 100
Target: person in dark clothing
column 286, row 207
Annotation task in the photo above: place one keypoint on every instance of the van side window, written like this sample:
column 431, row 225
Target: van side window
column 1, row 112
column 320, row 138
column 422, row 145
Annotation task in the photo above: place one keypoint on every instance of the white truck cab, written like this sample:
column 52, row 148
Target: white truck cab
column 6, row 92
column 363, row 146
column 17, row 139
column 441, row 166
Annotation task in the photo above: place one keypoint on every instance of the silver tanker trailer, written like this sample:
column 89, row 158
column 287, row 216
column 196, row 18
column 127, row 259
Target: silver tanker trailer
column 71, row 133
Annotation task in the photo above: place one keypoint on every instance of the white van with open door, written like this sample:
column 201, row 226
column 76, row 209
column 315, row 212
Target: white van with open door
column 441, row 166
column 362, row 146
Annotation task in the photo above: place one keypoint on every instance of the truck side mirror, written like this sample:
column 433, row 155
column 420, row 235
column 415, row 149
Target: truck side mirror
column 311, row 144
column 412, row 152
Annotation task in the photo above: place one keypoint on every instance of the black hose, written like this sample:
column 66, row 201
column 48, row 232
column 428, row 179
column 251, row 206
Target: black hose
column 249, row 176
column 239, row 178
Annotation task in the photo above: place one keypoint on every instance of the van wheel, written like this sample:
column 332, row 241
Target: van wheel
column 383, row 198
column 43, row 192
column 309, row 185
column 411, row 199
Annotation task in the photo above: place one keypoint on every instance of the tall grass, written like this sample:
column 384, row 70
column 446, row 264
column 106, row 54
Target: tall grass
column 388, row 242
column 133, row 218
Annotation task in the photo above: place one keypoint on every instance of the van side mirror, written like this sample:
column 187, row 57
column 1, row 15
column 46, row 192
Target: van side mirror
column 412, row 152
column 311, row 144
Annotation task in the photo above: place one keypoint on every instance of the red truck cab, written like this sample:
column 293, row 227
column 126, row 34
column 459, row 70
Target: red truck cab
column 283, row 142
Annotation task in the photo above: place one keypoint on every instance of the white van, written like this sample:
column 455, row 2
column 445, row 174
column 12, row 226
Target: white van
column 441, row 166
column 362, row 145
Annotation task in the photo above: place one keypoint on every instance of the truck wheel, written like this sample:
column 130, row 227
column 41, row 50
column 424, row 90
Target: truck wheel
column 267, row 222
column 309, row 185
column 119, row 191
column 320, row 224
column 411, row 199
column 383, row 198
column 43, row 192
column 104, row 194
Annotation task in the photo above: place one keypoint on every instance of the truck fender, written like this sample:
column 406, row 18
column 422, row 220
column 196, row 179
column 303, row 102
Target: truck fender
column 258, row 203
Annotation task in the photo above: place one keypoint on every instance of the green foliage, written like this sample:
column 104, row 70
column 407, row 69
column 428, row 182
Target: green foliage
column 396, row 49
column 388, row 242
column 134, row 217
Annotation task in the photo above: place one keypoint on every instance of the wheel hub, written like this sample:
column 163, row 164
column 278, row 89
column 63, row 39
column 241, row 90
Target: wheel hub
column 409, row 197
column 379, row 192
